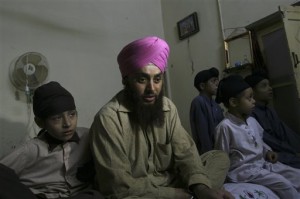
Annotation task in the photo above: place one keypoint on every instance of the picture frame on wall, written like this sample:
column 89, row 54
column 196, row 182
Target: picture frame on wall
column 188, row 26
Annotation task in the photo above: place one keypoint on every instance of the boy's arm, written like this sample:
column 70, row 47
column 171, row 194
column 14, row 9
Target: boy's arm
column 222, row 139
column 266, row 147
column 199, row 127
column 17, row 159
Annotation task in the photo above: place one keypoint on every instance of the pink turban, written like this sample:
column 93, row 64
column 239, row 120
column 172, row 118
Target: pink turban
column 142, row 52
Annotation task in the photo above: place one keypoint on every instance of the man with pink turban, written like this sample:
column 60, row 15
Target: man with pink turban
column 140, row 148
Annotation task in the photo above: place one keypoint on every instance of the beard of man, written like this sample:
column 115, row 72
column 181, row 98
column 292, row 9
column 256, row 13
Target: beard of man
column 144, row 115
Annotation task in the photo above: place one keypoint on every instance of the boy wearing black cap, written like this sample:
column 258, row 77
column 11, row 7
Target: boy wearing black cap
column 52, row 164
column 241, row 137
column 277, row 134
column 205, row 113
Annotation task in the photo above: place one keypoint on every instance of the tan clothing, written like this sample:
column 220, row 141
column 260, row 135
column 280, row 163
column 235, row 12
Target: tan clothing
column 50, row 171
column 145, row 164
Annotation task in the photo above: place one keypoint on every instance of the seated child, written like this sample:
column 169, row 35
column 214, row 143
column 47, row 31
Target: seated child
column 55, row 163
column 205, row 113
column 277, row 134
column 241, row 137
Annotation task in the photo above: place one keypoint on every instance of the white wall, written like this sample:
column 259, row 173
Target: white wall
column 205, row 49
column 80, row 39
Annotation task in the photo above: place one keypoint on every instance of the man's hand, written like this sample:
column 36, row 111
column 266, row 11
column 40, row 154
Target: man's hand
column 204, row 192
column 271, row 157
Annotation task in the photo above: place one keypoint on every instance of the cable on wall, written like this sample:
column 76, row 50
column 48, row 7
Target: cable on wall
column 190, row 56
column 221, row 19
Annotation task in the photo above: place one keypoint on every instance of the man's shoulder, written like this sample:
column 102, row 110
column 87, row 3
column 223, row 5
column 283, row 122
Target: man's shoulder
column 168, row 104
column 113, row 105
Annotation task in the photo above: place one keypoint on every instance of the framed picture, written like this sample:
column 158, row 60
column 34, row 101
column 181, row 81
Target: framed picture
column 188, row 26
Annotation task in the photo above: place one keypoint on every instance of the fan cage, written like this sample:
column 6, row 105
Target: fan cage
column 24, row 80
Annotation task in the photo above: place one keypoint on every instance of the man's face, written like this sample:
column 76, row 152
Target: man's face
column 61, row 126
column 263, row 91
column 147, row 84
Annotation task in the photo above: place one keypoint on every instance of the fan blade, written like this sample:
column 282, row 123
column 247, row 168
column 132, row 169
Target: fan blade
column 41, row 72
column 19, row 79
column 31, row 58
column 19, row 73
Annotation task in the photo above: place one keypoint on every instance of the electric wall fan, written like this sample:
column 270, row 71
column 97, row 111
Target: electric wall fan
column 28, row 72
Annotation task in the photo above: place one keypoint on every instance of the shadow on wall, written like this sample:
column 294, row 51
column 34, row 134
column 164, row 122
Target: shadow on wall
column 11, row 135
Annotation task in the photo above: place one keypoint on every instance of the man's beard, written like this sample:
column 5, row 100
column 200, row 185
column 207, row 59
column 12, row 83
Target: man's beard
column 144, row 115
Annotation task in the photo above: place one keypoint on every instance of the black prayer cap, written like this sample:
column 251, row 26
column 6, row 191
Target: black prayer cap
column 204, row 76
column 255, row 78
column 51, row 99
column 230, row 87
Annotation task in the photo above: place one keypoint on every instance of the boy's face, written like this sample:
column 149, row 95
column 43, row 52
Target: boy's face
column 147, row 84
column 246, row 102
column 263, row 91
column 61, row 126
column 210, row 87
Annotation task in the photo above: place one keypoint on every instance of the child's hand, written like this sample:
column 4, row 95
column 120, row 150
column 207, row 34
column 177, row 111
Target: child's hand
column 271, row 156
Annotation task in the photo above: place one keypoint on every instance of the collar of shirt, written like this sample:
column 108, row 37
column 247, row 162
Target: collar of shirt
column 53, row 142
column 207, row 99
column 234, row 119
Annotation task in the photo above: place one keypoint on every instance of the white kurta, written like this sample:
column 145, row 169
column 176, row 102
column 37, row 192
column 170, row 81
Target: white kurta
column 244, row 144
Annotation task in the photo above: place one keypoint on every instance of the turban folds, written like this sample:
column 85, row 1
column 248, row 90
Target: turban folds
column 141, row 52
column 51, row 99
column 230, row 87
column 204, row 76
